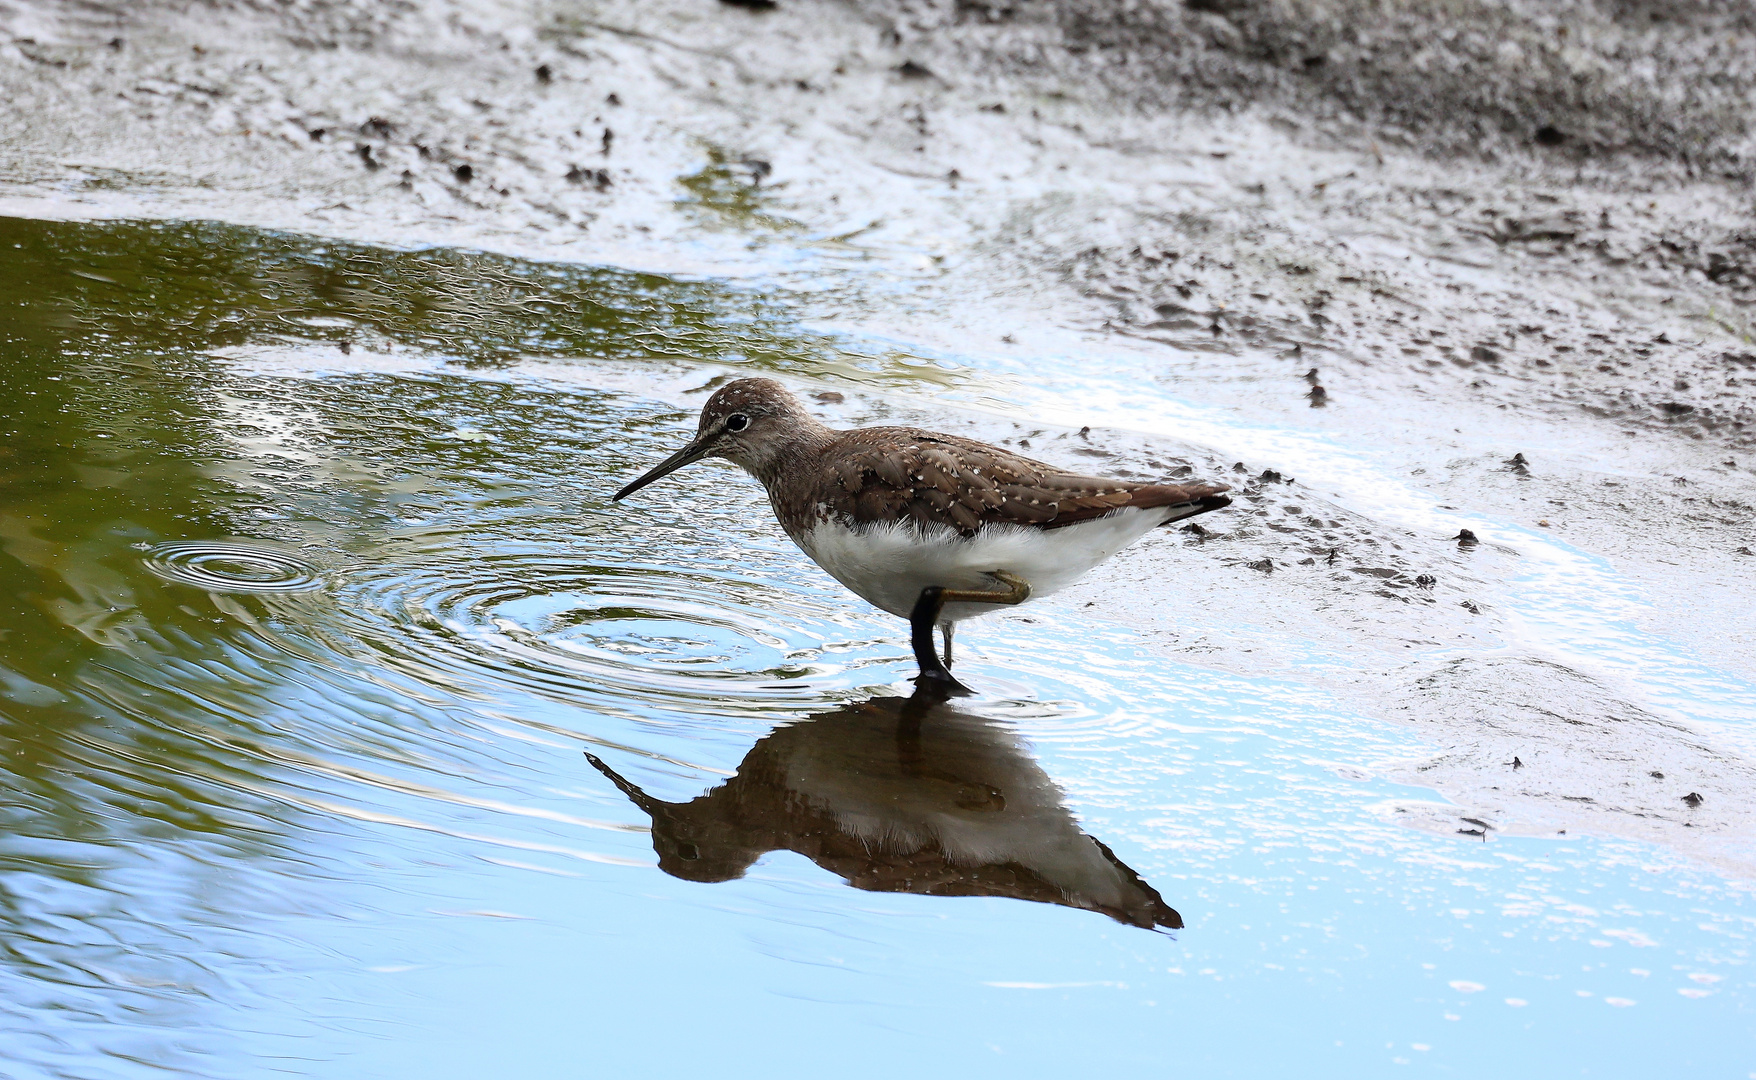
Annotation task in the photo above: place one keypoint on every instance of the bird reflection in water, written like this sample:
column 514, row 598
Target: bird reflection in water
column 900, row 795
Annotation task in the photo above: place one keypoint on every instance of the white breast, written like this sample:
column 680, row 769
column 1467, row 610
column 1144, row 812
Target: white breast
column 889, row 564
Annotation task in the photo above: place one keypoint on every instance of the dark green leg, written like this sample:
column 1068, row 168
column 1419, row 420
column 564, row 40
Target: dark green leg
column 926, row 615
column 921, row 622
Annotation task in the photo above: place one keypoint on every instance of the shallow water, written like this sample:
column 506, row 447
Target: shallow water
column 322, row 643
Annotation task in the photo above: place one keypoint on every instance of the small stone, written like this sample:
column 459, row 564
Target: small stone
column 600, row 178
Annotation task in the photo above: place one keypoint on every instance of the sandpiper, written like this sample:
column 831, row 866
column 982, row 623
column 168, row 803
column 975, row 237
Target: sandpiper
column 931, row 527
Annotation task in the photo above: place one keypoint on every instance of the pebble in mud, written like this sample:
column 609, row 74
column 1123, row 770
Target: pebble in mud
column 599, row 178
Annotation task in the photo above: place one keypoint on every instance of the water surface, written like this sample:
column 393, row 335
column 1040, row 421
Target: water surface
column 349, row 730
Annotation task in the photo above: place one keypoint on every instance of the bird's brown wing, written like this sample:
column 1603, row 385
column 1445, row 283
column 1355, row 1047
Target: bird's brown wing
column 889, row 474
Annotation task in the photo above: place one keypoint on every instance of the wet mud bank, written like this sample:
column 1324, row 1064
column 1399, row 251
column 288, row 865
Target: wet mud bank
column 1395, row 273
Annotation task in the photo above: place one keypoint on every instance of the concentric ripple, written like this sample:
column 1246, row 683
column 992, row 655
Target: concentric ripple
column 621, row 638
column 221, row 566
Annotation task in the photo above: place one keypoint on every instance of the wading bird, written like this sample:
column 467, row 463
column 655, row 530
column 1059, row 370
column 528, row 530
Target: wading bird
column 934, row 528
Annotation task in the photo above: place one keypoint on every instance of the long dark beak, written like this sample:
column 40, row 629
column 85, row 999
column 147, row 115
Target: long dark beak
column 695, row 451
column 635, row 795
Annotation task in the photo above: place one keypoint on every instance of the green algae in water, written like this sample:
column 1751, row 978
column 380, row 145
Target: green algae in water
column 88, row 288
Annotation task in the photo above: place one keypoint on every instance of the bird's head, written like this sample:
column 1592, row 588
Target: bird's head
column 747, row 422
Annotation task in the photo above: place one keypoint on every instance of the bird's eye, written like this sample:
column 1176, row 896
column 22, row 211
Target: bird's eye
column 737, row 422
